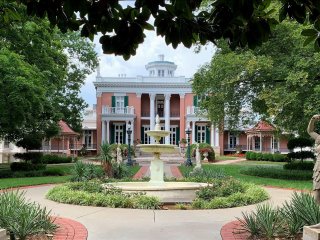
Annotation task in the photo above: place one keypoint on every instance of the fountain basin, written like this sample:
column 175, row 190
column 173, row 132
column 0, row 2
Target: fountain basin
column 167, row 192
column 156, row 148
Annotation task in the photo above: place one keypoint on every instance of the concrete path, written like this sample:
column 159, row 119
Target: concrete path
column 136, row 224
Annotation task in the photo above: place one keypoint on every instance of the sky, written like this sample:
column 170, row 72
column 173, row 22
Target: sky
column 111, row 66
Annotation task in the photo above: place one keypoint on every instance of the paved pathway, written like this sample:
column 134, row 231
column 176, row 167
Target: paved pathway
column 136, row 224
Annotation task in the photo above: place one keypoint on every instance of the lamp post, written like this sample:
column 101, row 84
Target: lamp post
column 188, row 161
column 129, row 132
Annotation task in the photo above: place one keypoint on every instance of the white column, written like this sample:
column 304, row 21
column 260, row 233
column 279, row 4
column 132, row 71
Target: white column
column 127, row 124
column 132, row 128
column 167, row 116
column 260, row 142
column 193, row 132
column 108, row 132
column 212, row 135
column 103, row 132
column 217, row 137
column 152, row 112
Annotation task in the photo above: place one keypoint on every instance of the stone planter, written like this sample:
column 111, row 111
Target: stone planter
column 205, row 154
column 3, row 234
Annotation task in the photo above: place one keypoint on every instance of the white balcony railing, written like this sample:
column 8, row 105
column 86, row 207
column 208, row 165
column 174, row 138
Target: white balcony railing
column 118, row 110
column 192, row 110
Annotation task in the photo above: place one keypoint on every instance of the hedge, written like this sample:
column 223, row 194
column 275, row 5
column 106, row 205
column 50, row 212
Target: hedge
column 277, row 173
column 276, row 157
column 299, row 166
column 54, row 159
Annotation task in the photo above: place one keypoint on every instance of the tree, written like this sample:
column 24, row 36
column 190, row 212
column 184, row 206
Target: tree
column 241, row 23
column 278, row 81
column 41, row 72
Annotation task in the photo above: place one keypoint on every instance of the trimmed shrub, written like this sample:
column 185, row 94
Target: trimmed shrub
column 301, row 155
column 34, row 157
column 259, row 156
column 22, row 166
column 278, row 173
column 299, row 166
column 248, row 155
column 277, row 157
column 299, row 142
column 55, row 159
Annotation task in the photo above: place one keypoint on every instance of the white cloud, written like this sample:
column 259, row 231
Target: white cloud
column 110, row 66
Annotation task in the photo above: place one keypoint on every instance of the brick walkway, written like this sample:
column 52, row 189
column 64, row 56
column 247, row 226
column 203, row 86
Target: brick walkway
column 231, row 231
column 69, row 230
column 174, row 172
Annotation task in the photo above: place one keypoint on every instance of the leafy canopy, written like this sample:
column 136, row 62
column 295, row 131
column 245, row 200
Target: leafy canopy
column 278, row 81
column 41, row 72
column 241, row 22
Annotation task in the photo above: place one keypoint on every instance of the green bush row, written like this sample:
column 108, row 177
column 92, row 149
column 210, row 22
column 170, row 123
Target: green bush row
column 6, row 173
column 55, row 159
column 278, row 173
column 258, row 156
column 26, row 166
column 299, row 166
column 94, row 195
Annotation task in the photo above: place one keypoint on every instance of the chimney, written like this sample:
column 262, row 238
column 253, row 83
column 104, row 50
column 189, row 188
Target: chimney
column 161, row 57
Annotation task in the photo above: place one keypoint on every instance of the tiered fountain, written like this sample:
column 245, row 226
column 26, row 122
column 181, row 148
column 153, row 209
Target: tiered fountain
column 166, row 191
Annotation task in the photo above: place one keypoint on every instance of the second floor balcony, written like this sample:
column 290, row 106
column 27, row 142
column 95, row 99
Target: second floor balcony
column 192, row 110
column 129, row 110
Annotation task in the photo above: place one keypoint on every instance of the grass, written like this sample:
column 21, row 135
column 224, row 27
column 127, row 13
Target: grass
column 223, row 158
column 133, row 170
column 234, row 170
column 20, row 182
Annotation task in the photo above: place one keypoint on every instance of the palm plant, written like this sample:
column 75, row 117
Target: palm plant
column 106, row 158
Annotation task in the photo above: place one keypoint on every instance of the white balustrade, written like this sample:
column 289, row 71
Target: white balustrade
column 118, row 110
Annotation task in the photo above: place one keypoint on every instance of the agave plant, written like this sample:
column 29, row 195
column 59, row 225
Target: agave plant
column 106, row 158
column 292, row 219
column 264, row 223
column 21, row 218
column 306, row 208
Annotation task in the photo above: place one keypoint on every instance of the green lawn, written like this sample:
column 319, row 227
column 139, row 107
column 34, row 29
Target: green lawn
column 234, row 170
column 19, row 182
column 223, row 158
column 28, row 181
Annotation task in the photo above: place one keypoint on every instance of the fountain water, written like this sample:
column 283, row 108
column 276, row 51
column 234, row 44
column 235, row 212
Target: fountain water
column 166, row 191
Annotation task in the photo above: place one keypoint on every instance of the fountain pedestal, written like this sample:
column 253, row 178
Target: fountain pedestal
column 156, row 170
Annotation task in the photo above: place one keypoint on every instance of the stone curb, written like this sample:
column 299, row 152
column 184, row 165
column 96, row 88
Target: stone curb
column 69, row 230
column 230, row 231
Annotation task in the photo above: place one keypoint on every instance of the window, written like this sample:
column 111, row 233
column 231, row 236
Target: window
column 146, row 138
column 119, row 104
column 173, row 138
column 232, row 141
column 118, row 133
column 160, row 73
column 257, row 143
column 160, row 107
column 275, row 144
column 88, row 138
column 201, row 134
